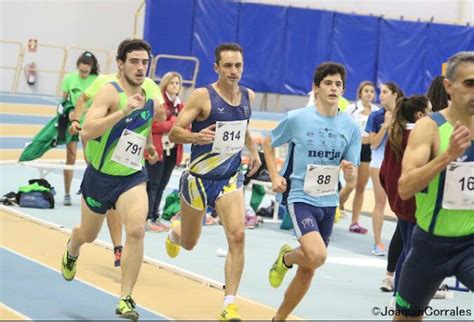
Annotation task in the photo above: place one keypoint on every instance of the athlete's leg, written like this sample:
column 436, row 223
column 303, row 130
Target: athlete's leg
column 310, row 255
column 169, row 165
column 87, row 230
column 379, row 207
column 465, row 269
column 115, row 227
column 345, row 193
column 132, row 206
column 187, row 234
column 154, row 172
column 71, row 149
column 362, row 179
column 230, row 209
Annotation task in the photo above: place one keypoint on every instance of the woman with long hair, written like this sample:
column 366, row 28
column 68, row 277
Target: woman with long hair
column 407, row 111
column 360, row 112
column 437, row 94
column 377, row 127
column 73, row 85
column 169, row 154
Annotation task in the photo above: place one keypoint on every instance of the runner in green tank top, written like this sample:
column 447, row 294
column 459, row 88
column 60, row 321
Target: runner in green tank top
column 83, row 103
column 438, row 167
column 120, row 120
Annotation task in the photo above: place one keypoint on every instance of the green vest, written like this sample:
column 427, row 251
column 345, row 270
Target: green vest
column 430, row 215
column 101, row 149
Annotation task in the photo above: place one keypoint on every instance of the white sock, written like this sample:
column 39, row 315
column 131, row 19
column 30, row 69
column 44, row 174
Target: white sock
column 229, row 299
column 171, row 236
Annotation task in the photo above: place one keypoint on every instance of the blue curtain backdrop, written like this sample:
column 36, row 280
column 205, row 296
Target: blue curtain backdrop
column 283, row 45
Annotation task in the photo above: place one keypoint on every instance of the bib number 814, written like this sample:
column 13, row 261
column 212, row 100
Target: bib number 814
column 231, row 135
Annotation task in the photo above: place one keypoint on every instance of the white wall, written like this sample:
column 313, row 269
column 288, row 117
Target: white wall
column 443, row 11
column 92, row 24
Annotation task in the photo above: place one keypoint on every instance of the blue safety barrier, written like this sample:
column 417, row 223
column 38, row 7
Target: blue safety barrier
column 283, row 45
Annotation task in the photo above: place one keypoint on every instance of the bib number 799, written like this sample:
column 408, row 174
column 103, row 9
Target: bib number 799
column 133, row 148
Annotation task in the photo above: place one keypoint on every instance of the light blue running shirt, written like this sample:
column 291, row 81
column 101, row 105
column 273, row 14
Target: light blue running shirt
column 315, row 139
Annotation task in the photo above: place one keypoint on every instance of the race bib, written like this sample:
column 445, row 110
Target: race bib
column 230, row 136
column 129, row 150
column 459, row 186
column 167, row 144
column 321, row 180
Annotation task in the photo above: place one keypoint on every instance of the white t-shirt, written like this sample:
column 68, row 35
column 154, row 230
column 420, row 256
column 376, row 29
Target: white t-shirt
column 355, row 111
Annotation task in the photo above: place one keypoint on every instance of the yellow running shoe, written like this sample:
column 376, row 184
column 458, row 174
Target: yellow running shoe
column 278, row 270
column 126, row 309
column 68, row 266
column 172, row 249
column 230, row 313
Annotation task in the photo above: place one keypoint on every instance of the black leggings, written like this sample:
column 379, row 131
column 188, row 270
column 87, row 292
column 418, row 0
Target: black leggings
column 394, row 250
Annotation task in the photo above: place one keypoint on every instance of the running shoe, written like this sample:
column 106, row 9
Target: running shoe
column 358, row 229
column 172, row 249
column 378, row 250
column 68, row 266
column 126, row 309
column 230, row 313
column 279, row 269
column 67, row 200
column 387, row 284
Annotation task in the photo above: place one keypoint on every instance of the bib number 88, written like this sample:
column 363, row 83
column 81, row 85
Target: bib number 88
column 323, row 179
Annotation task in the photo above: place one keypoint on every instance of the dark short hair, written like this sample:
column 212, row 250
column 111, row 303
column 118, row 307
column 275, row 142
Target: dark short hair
column 129, row 45
column 88, row 58
column 329, row 68
column 456, row 60
column 230, row 46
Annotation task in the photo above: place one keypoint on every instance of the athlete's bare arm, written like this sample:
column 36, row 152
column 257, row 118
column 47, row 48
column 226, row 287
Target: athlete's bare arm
column 195, row 107
column 278, row 182
column 349, row 171
column 418, row 165
column 254, row 161
column 78, row 110
column 376, row 138
column 104, row 112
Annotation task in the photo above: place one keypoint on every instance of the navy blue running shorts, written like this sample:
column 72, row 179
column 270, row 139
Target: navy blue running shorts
column 430, row 260
column 307, row 218
column 101, row 191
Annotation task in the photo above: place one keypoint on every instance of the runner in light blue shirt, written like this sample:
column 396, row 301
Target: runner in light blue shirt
column 322, row 141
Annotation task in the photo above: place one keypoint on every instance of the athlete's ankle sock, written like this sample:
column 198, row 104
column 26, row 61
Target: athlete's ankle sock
column 285, row 263
column 69, row 255
column 171, row 236
column 229, row 299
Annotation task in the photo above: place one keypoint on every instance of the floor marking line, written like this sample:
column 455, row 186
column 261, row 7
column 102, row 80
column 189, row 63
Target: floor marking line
column 78, row 279
column 15, row 312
